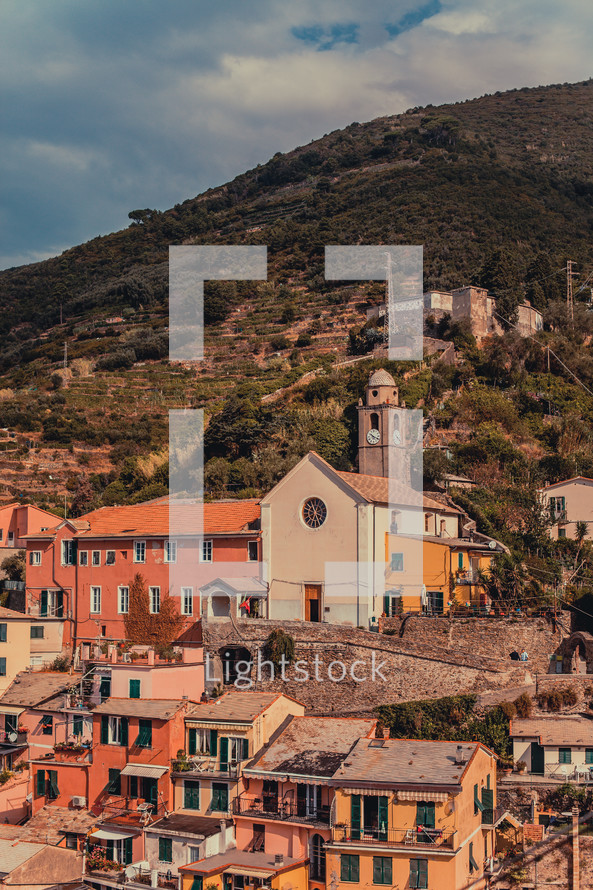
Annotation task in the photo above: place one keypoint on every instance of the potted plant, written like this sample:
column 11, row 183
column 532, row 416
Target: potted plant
column 521, row 766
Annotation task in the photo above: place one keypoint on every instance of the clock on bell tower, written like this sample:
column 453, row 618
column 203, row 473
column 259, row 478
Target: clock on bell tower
column 381, row 429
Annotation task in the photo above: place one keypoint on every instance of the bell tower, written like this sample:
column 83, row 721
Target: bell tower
column 381, row 429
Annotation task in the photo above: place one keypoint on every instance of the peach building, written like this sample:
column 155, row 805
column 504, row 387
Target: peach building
column 80, row 570
column 15, row 645
column 567, row 503
column 19, row 520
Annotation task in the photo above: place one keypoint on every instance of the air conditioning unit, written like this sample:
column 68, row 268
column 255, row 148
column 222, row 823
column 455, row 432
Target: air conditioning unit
column 79, row 801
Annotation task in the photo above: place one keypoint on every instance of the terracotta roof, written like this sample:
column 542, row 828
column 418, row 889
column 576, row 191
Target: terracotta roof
column 382, row 490
column 567, row 481
column 50, row 824
column 156, row 519
column 261, row 862
column 10, row 613
column 155, row 708
column 31, row 688
column 562, row 731
column 313, row 746
column 405, row 761
column 182, row 823
column 233, row 706
column 14, row 854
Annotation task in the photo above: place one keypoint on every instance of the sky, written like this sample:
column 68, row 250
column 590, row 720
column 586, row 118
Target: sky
column 112, row 105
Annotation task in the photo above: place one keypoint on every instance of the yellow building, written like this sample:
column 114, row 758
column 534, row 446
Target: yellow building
column 241, row 870
column 15, row 645
column 413, row 814
column 221, row 736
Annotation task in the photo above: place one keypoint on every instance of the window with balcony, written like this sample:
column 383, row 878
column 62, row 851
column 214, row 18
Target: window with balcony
column 171, row 551
column 114, row 730
column 202, row 741
column 139, row 551
column 418, row 874
column 382, row 870
column 35, row 558
column 120, row 850
column 123, row 600
column 83, row 557
column 110, row 557
column 206, row 551
column 368, row 817
column 154, row 594
column 425, row 814
column 349, row 868
column 95, row 600
column 96, row 557
column 308, row 800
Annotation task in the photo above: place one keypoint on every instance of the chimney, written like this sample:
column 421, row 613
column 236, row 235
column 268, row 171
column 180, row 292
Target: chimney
column 150, row 657
column 459, row 754
column 112, row 652
column 575, row 849
column 279, row 860
column 222, row 843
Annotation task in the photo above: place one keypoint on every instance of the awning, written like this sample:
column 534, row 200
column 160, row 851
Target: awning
column 436, row 796
column 10, row 749
column 12, row 710
column 145, row 770
column 109, row 834
column 370, row 792
column 250, row 872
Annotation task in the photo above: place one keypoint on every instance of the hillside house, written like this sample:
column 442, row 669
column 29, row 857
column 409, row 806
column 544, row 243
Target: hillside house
column 479, row 307
column 567, row 503
column 559, row 747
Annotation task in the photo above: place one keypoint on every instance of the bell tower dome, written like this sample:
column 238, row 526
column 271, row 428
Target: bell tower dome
column 380, row 426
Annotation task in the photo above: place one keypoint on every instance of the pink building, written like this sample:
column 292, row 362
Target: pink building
column 80, row 571
column 19, row 520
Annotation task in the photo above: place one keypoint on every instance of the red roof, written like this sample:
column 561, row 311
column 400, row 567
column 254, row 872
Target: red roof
column 138, row 520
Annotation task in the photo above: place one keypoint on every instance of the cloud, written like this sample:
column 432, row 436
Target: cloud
column 110, row 106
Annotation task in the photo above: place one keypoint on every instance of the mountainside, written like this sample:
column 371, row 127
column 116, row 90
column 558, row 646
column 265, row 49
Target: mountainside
column 499, row 190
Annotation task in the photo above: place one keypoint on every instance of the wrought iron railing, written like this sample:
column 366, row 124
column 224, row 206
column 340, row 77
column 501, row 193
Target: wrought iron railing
column 281, row 809
column 415, row 836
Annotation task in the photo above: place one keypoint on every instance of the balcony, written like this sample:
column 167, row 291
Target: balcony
column 135, row 813
column 13, row 737
column 203, row 764
column 286, row 810
column 417, row 836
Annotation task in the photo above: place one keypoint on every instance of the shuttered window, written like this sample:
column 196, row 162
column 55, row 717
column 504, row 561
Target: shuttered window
column 382, row 870
column 114, row 786
column 40, row 784
column 349, row 867
column 419, row 874
column 144, row 739
column 191, row 795
column 134, row 688
column 425, row 814
column 220, row 797
column 166, row 849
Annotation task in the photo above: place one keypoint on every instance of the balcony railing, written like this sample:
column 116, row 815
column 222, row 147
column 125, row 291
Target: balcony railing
column 12, row 737
column 130, row 810
column 205, row 765
column 288, row 810
column 417, row 836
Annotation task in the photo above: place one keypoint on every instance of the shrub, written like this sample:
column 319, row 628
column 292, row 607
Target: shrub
column 279, row 644
column 523, row 705
column 60, row 663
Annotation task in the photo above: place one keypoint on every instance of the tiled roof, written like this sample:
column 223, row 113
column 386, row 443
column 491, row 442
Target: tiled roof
column 554, row 730
column 203, row 826
column 313, row 746
column 382, row 490
column 10, row 613
column 31, row 688
column 567, row 482
column 13, row 854
column 263, row 862
column 50, row 824
column 240, row 707
column 155, row 708
column 405, row 762
column 137, row 520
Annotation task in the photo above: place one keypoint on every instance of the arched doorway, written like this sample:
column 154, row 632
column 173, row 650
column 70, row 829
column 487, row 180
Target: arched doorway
column 317, row 858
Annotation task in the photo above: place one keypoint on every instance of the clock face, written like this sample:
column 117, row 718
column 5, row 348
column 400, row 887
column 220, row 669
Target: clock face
column 397, row 437
column 373, row 437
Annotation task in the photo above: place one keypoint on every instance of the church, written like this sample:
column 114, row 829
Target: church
column 348, row 548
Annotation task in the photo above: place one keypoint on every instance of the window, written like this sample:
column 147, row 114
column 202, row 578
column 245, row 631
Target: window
column 114, row 786
column 144, row 739
column 47, row 724
column 83, row 557
column 120, row 851
column 139, row 551
column 193, row 854
column 460, row 560
column 165, row 849
column 77, row 726
column 46, row 784
column 317, row 858
column 134, row 689
column 2, row 667
column 191, row 795
column 478, row 805
column 349, row 867
column 473, row 865
column 314, row 513
column 170, row 551
column 220, row 797
column 237, row 749
column 425, row 814
column 201, row 741
column 588, row 755
column 96, row 557
column 37, row 632
column 95, row 599
column 187, row 600
column 68, row 552
column 114, row 730
column 561, row 532
column 35, row 558
column 419, row 874
column 382, row 870
column 51, row 602
column 252, row 551
column 110, row 557
column 3, row 632
column 397, row 562
column 123, row 600
column 308, row 799
column 71, row 841
column 565, row 755
column 427, row 522
column 206, row 552
column 155, row 599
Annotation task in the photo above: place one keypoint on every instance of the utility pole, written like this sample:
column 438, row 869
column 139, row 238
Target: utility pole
column 569, row 303
column 388, row 298
column 65, row 353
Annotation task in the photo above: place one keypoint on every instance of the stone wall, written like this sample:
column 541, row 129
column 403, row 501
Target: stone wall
column 423, row 664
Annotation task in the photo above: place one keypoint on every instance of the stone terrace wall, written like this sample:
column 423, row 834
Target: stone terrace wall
column 424, row 667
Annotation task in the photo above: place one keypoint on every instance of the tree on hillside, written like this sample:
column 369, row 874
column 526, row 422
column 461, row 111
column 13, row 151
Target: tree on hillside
column 14, row 566
column 501, row 274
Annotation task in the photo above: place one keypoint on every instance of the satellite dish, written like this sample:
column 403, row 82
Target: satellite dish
column 12, row 737
column 492, row 545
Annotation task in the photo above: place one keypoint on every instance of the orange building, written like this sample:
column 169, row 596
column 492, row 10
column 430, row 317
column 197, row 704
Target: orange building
column 80, row 571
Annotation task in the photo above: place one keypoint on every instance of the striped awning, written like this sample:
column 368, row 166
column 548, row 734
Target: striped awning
column 436, row 796
column 369, row 792
column 108, row 834
column 250, row 872
column 145, row 770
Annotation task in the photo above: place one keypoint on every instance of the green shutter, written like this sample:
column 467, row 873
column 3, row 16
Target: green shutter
column 419, row 874
column 377, row 870
column 196, row 883
column 134, row 688
column 355, row 816
column 245, row 749
column 349, row 867
column 2, row 666
column 133, row 787
column 43, row 604
column 128, row 852
column 224, row 798
column 473, row 865
column 192, row 742
column 488, row 806
column 114, row 781
column 124, row 732
column 104, row 729
column 301, row 799
column 40, row 782
column 77, row 726
column 191, row 795
column 144, row 739
column 224, row 753
column 478, row 805
column 383, row 818
column 59, row 604
column 54, row 791
column 213, row 741
column 588, row 755
column 166, row 849
column 150, row 790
